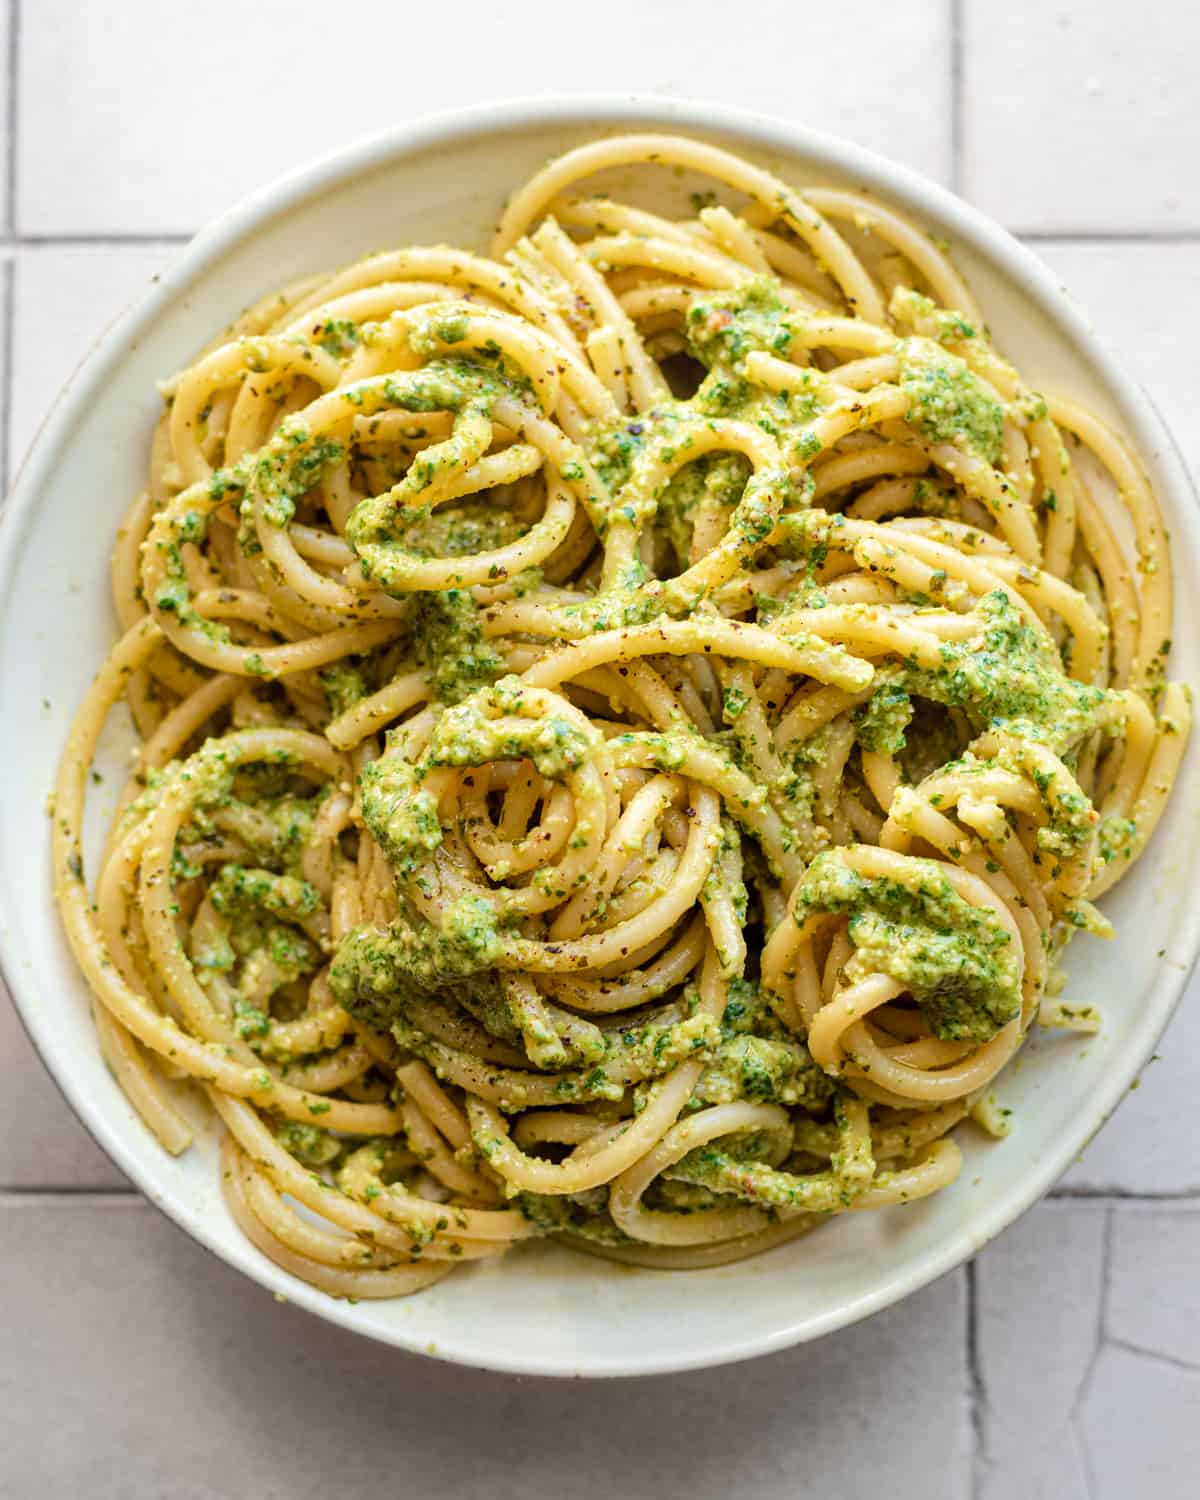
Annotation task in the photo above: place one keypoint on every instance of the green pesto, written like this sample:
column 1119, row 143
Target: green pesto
column 251, row 1023
column 550, row 1039
column 466, row 735
column 484, row 998
column 238, row 887
column 1009, row 676
column 747, row 1013
column 881, row 722
column 727, row 871
column 448, row 642
column 717, row 477
column 309, row 1143
column 283, row 470
column 371, row 985
column 345, row 685
column 721, row 329
column 764, row 1071
column 377, row 974
column 1116, row 838
column 943, row 324
column 460, row 530
column 292, row 820
column 749, row 1166
column 734, row 703
column 402, row 816
column 290, row 953
column 798, row 793
column 339, row 337
column 576, row 1214
column 722, row 1172
column 628, row 604
column 258, row 908
column 681, row 1197
column 948, row 403
column 957, row 960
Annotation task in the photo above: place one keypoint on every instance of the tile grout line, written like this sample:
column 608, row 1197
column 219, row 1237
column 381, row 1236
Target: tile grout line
column 1121, row 1195
column 957, row 22
column 976, row 1387
column 113, row 240
column 1109, row 236
column 1158, row 1356
column 23, row 1197
column 13, row 71
column 1099, row 1340
column 7, row 312
column 7, row 285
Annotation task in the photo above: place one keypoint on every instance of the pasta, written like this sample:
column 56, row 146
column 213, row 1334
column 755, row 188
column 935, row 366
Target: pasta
column 628, row 727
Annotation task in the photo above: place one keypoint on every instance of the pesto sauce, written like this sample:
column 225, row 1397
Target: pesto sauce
column 376, row 975
column 239, row 887
column 1009, row 675
column 402, row 816
column 460, row 530
column 467, row 735
column 721, row 329
column 448, row 641
column 344, row 686
column 881, row 722
column 310, row 1144
column 576, row 1213
column 763, row 1070
column 720, row 477
column 956, row 959
column 948, row 402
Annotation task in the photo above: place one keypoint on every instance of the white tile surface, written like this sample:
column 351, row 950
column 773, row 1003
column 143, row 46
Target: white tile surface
column 188, row 1382
column 1156, row 1254
column 5, row 109
column 1089, row 1353
column 1082, row 117
column 1143, row 1148
column 173, row 121
column 1037, row 1321
column 1145, row 300
column 1140, row 1427
column 64, row 298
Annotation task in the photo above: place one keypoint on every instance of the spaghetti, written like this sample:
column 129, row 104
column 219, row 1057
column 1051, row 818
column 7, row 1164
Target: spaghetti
column 628, row 727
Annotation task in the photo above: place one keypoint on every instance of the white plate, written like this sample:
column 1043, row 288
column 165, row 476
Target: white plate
column 542, row 1310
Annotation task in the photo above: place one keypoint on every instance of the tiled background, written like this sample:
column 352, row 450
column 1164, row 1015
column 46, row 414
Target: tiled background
column 1066, row 1361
